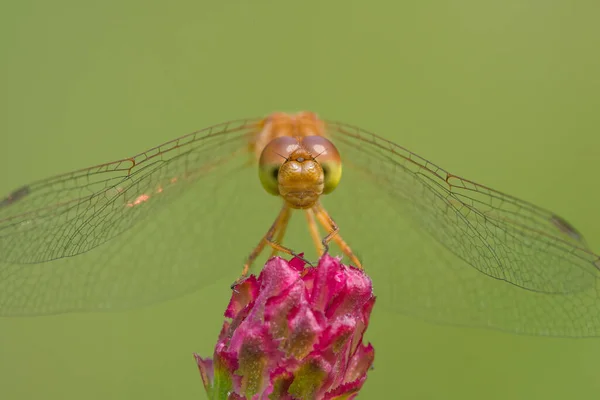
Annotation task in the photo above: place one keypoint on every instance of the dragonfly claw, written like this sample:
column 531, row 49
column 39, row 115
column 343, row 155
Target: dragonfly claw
column 239, row 281
column 303, row 259
column 325, row 247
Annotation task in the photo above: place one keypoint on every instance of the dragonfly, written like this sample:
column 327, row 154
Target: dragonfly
column 175, row 218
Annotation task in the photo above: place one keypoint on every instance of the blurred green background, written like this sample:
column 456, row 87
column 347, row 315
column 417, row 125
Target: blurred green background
column 505, row 93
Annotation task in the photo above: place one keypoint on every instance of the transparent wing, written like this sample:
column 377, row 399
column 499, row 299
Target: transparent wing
column 75, row 212
column 494, row 261
column 45, row 224
column 437, row 246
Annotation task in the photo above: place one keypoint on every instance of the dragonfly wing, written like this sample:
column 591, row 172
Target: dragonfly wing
column 84, row 240
column 72, row 213
column 500, row 235
column 474, row 250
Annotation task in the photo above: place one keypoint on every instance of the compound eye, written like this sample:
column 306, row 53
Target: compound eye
column 272, row 157
column 327, row 155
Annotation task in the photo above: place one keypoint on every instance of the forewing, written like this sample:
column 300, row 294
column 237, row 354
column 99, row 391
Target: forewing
column 101, row 237
column 461, row 252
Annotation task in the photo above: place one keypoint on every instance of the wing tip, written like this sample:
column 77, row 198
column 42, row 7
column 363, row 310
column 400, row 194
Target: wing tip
column 15, row 196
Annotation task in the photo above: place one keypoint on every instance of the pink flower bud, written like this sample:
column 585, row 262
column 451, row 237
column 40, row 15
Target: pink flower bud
column 293, row 333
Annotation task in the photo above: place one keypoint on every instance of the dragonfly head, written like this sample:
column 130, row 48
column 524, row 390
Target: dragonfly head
column 300, row 169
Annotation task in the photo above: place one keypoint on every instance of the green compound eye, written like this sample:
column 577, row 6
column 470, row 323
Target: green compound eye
column 332, row 173
column 272, row 157
column 268, row 175
column 327, row 155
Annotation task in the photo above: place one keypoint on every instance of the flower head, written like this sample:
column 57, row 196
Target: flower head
column 293, row 333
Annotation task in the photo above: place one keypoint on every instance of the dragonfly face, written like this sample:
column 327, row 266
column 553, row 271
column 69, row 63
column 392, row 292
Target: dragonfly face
column 300, row 179
column 300, row 169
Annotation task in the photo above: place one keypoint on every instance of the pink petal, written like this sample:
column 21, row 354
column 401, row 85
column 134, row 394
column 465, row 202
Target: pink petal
column 244, row 294
column 304, row 327
column 346, row 391
column 206, row 370
column 278, row 307
column 360, row 363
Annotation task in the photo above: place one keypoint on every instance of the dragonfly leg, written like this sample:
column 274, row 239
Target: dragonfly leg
column 282, row 226
column 279, row 225
column 330, row 226
column 259, row 248
column 287, row 250
column 314, row 230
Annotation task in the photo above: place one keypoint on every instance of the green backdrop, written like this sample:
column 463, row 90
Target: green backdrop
column 505, row 93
